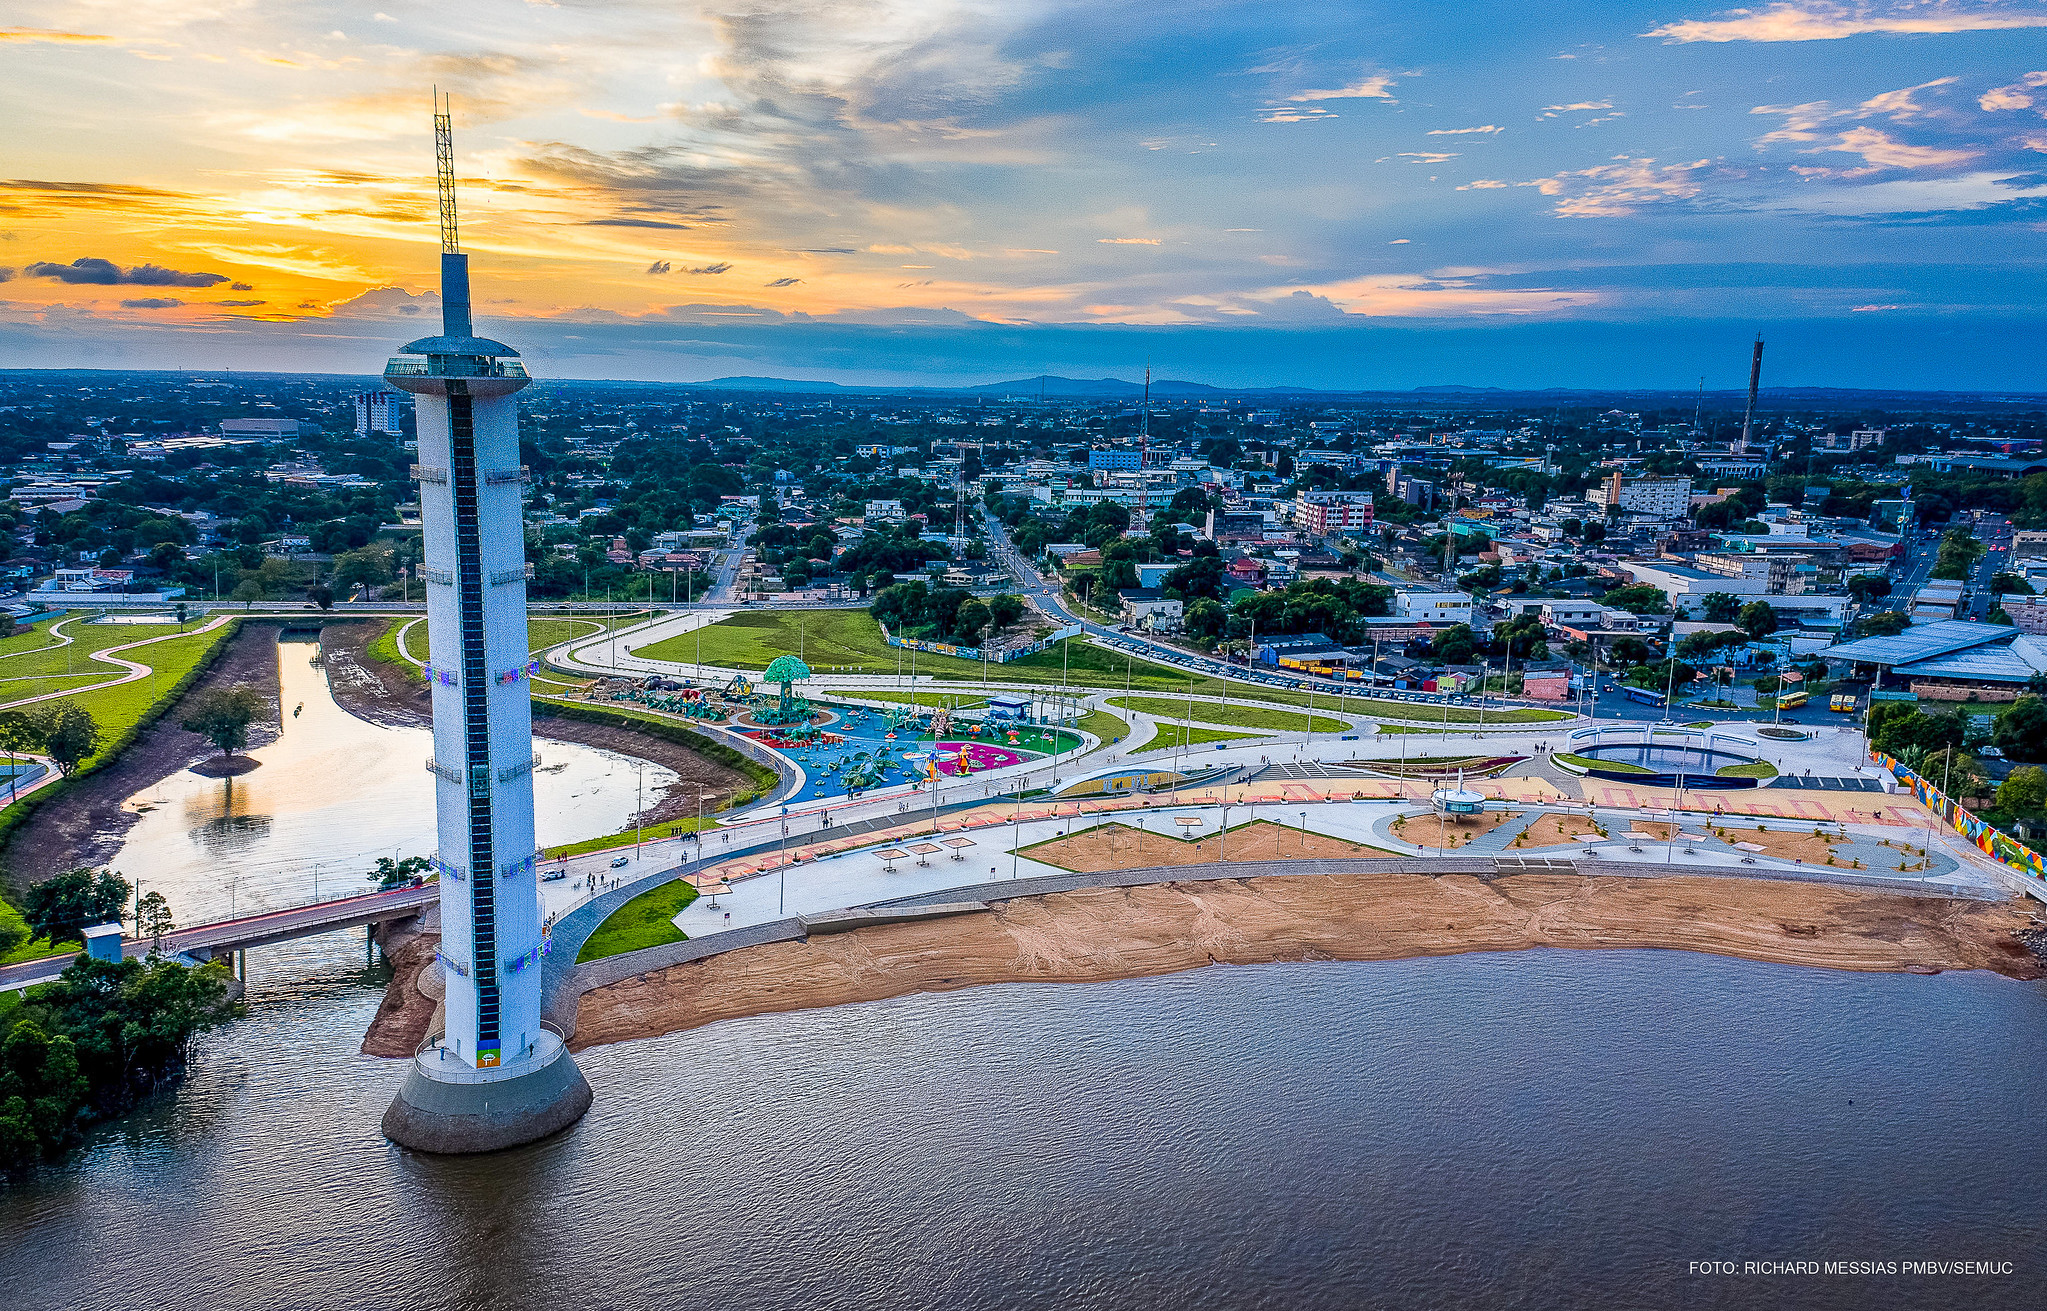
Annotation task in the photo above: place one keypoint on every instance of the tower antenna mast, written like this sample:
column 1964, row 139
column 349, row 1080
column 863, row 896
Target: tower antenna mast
column 1755, row 378
column 1144, row 456
column 444, row 169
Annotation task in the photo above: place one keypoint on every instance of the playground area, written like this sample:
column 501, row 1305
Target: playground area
column 849, row 749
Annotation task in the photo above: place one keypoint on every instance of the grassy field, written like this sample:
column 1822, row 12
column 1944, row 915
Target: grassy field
column 1611, row 766
column 540, row 634
column 118, row 709
column 652, row 832
column 849, row 641
column 1755, row 769
column 1234, row 714
column 641, row 922
column 35, row 664
column 1104, row 725
column 1179, row 735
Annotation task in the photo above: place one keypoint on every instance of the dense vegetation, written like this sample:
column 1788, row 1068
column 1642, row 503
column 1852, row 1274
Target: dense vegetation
column 94, row 1042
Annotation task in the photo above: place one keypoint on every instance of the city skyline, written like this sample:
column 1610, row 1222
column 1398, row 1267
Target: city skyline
column 1596, row 195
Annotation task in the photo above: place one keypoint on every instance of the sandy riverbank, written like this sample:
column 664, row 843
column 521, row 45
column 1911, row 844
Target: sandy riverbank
column 1119, row 933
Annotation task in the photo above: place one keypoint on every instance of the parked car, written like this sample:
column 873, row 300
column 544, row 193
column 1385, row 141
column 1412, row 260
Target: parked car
column 621, row 862
column 554, row 875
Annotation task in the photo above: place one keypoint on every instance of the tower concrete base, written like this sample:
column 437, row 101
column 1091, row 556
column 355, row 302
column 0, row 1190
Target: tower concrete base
column 448, row 1107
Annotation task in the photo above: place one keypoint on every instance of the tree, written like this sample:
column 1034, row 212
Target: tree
column 222, row 716
column 321, row 595
column 164, row 555
column 1758, row 619
column 58, row 907
column 2011, row 584
column 391, row 874
column 2021, row 731
column 1628, row 651
column 153, row 920
column 2024, row 790
column 1456, row 645
column 1720, row 607
column 69, row 734
column 19, row 732
column 1868, row 587
column 1640, row 599
column 1884, row 623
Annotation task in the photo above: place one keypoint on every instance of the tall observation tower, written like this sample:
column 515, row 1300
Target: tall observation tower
column 495, row 1076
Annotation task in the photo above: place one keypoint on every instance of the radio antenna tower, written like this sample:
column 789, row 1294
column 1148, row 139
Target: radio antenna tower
column 1755, row 378
column 444, row 168
column 1144, row 456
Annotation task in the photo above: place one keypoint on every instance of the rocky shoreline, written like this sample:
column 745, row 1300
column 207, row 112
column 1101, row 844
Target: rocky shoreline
column 1101, row 934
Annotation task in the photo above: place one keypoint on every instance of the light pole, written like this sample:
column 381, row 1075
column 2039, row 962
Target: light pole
column 640, row 805
column 782, row 865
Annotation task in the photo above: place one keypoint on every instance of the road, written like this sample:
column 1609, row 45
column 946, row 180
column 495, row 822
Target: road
column 252, row 930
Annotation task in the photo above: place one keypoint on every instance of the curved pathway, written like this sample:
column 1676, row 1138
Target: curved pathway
column 131, row 670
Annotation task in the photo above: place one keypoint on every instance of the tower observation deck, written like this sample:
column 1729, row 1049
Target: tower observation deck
column 495, row 1076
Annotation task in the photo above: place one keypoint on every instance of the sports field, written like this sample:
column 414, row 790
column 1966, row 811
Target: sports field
column 1235, row 714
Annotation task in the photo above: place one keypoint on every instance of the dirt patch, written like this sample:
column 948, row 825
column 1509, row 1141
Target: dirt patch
column 1782, row 845
column 1120, row 933
column 1554, row 830
column 371, row 689
column 1449, row 832
column 407, row 1012
column 84, row 824
column 1120, row 846
column 226, row 766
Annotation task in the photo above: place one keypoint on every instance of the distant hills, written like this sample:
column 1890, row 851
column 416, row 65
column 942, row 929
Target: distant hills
column 1044, row 384
column 1052, row 386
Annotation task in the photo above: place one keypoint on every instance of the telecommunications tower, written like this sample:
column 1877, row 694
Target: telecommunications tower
column 496, row 1076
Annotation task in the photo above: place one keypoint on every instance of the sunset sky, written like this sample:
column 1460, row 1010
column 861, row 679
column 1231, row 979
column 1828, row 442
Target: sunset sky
column 1572, row 193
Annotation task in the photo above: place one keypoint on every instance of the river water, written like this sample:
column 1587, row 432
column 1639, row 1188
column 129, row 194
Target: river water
column 1537, row 1129
column 334, row 793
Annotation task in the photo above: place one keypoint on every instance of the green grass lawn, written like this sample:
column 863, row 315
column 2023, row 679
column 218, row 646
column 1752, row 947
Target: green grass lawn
column 1755, row 769
column 1179, row 735
column 540, row 634
column 849, row 641
column 1234, row 714
column 652, row 832
column 1611, row 766
column 641, row 922
column 118, row 709
column 1104, row 725
column 33, row 655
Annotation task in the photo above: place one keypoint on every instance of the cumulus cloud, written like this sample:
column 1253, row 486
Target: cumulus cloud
column 94, row 272
column 1623, row 187
column 659, row 266
column 782, row 282
column 151, row 303
column 1462, row 131
column 2019, row 95
column 1883, row 150
column 239, row 286
column 708, row 270
column 1379, row 86
column 6, row 274
column 1815, row 20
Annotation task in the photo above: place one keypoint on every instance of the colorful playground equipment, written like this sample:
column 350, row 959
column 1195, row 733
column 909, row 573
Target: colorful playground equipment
column 786, row 670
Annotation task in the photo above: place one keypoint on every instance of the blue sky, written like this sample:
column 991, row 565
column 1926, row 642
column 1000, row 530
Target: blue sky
column 1380, row 195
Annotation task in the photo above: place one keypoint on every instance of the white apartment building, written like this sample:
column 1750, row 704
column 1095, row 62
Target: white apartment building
column 1668, row 498
column 1443, row 608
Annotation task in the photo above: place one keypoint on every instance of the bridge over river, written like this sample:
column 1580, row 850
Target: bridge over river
column 207, row 941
